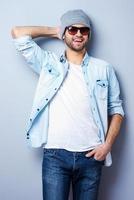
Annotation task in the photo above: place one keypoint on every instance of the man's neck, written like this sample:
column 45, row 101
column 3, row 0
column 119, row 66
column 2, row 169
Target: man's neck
column 74, row 56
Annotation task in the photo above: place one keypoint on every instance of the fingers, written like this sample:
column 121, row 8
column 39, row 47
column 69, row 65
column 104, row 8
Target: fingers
column 91, row 153
column 98, row 153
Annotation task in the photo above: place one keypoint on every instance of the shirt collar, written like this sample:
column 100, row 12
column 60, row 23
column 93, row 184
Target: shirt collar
column 85, row 60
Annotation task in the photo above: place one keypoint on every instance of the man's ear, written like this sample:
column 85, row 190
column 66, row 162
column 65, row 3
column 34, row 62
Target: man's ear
column 63, row 37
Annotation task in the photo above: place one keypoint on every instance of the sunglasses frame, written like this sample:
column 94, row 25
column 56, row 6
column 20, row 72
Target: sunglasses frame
column 81, row 29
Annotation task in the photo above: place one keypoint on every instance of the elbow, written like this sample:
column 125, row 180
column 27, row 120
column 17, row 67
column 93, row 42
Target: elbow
column 15, row 32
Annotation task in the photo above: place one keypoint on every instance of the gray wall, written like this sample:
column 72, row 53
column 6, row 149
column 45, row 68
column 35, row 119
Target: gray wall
column 113, row 40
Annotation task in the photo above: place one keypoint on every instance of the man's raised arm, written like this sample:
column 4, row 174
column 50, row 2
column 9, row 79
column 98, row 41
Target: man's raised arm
column 35, row 31
column 23, row 36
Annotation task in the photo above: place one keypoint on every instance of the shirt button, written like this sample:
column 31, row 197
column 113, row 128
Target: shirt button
column 49, row 70
column 30, row 119
column 38, row 109
column 27, row 134
column 27, row 137
column 46, row 99
column 55, row 88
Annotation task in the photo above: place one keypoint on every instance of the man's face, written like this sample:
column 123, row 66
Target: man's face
column 78, row 41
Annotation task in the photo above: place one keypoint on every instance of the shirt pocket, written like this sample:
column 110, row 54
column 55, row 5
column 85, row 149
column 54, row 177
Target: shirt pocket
column 102, row 89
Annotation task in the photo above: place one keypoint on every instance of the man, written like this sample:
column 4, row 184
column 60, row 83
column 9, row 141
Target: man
column 76, row 114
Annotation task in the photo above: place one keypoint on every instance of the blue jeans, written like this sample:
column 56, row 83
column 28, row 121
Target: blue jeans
column 60, row 167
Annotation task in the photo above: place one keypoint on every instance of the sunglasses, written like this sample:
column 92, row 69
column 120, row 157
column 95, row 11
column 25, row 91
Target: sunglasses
column 72, row 30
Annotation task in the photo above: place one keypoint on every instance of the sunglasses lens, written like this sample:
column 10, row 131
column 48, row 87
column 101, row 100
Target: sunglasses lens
column 73, row 30
column 84, row 30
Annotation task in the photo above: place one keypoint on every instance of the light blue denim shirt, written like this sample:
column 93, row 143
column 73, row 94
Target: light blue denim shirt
column 100, row 78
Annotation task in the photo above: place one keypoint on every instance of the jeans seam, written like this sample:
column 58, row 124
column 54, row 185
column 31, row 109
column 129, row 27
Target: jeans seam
column 74, row 161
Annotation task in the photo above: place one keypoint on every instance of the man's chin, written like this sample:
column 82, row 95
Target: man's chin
column 78, row 49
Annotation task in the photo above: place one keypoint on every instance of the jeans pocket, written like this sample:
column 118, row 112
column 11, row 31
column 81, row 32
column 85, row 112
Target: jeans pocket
column 99, row 161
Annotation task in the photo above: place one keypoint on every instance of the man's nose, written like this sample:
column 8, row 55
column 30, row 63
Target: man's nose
column 78, row 33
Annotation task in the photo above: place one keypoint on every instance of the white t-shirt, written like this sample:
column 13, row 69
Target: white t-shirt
column 71, row 125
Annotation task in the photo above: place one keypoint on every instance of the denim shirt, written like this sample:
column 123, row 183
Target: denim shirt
column 100, row 78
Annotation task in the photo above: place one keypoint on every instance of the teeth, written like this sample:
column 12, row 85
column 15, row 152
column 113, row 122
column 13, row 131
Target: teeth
column 78, row 40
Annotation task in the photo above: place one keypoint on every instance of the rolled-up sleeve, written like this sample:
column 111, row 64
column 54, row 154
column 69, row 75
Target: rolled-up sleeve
column 114, row 101
column 34, row 55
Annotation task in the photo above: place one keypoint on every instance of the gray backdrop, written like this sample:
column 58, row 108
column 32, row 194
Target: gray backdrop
column 20, row 166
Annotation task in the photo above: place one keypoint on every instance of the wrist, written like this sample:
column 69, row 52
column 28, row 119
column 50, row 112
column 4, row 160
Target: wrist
column 108, row 145
column 57, row 30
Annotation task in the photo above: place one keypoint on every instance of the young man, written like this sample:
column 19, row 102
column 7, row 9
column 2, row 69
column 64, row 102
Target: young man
column 75, row 97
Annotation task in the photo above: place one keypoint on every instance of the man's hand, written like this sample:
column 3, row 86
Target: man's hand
column 100, row 152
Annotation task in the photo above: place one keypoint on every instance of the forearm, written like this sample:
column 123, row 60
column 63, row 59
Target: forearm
column 113, row 130
column 34, row 31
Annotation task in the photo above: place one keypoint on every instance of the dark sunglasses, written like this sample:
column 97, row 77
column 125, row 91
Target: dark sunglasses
column 72, row 30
